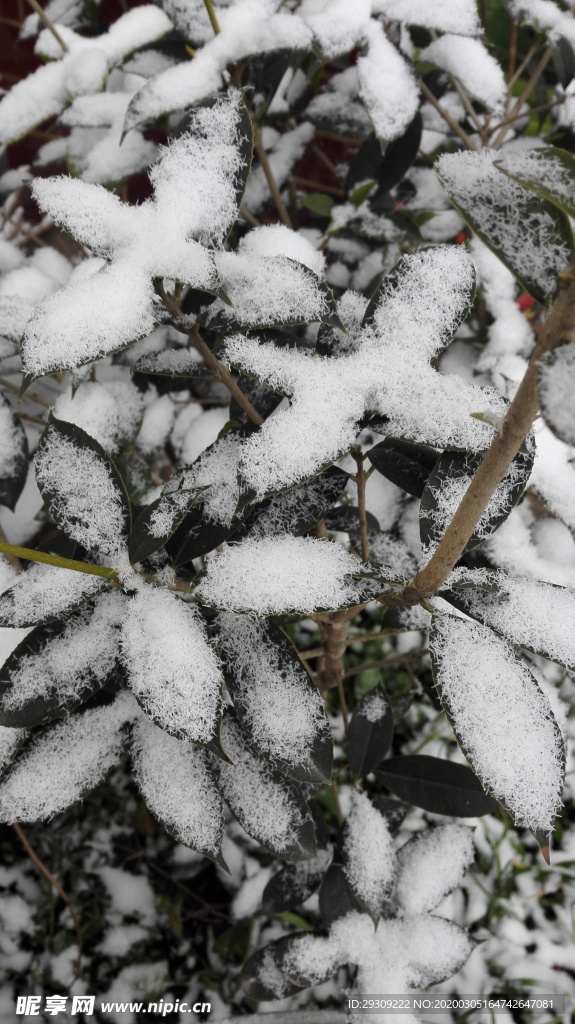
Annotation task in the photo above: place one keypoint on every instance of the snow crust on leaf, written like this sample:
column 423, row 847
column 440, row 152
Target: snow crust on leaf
column 530, row 613
column 85, row 499
column 217, row 469
column 10, row 741
column 108, row 412
column 259, row 798
column 431, row 865
column 248, row 27
column 279, row 240
column 272, row 575
column 387, row 86
column 83, row 654
column 546, row 15
column 444, row 15
column 283, row 713
column 556, row 377
column 171, row 666
column 266, row 291
column 469, row 61
column 178, row 786
column 11, row 450
column 543, row 167
column 45, row 592
column 483, row 687
column 368, row 849
column 526, row 239
column 421, row 305
column 64, row 762
column 284, row 512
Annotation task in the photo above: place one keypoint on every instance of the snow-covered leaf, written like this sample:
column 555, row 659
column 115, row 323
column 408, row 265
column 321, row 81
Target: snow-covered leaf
column 13, row 456
column 471, row 62
column 431, row 865
column 336, row 895
column 171, row 667
column 82, row 488
column 43, row 593
column 11, row 741
column 370, row 733
column 443, row 15
column 265, row 975
column 275, row 700
column 274, row 575
column 436, row 785
column 556, row 380
column 177, row 783
column 299, row 509
column 483, row 687
column 530, row 235
column 533, row 614
column 549, row 172
column 64, row 762
column 409, row 321
column 268, row 806
column 369, row 861
column 158, row 522
column 60, row 665
column 447, row 484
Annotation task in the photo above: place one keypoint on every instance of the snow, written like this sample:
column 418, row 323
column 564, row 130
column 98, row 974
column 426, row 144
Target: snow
column 412, row 323
column 283, row 153
column 546, row 15
column 156, row 426
column 82, row 69
column 510, row 332
column 374, row 706
column 368, row 851
column 469, row 61
column 282, row 710
column 431, row 865
column 176, row 782
column 82, row 656
column 338, row 105
column 556, row 375
column 278, row 240
column 12, row 450
column 107, row 412
column 444, row 15
column 45, row 592
column 530, row 613
column 387, row 86
column 195, row 430
column 484, row 687
column 77, row 481
column 216, row 469
column 249, row 27
column 171, row 667
column 526, row 238
column 266, row 291
column 194, row 204
column 10, row 741
column 541, row 167
column 95, row 147
column 273, row 575
column 260, row 800
column 63, row 762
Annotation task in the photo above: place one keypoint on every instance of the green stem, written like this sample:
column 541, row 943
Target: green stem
column 211, row 15
column 64, row 563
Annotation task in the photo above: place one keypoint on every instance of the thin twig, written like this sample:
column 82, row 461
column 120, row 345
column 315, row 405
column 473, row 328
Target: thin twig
column 220, row 371
column 468, row 106
column 526, row 113
column 64, row 563
column 211, row 15
column 384, row 662
column 317, row 186
column 325, row 160
column 539, row 69
column 31, row 418
column 32, row 395
column 272, row 183
column 49, row 24
column 512, row 50
column 40, row 864
column 343, row 704
column 446, row 116
column 249, row 217
column 359, row 479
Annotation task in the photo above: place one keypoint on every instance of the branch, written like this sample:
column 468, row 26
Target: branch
column 64, row 563
column 49, row 25
column 220, row 371
column 359, row 479
column 29, row 394
column 272, row 183
column 211, row 15
column 558, row 329
column 40, row 864
column 446, row 116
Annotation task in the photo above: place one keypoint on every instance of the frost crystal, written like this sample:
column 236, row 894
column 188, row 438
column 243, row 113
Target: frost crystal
column 430, row 866
column 45, row 592
column 367, row 844
column 484, row 687
column 279, row 574
column 172, row 669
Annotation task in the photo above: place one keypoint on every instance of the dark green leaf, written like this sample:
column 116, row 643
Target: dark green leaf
column 398, row 157
column 299, row 509
column 393, row 811
column 293, row 884
column 198, row 535
column 317, row 202
column 159, row 521
column 88, row 525
column 447, row 484
column 336, row 896
column 52, row 697
column 46, row 593
column 262, row 398
column 436, row 785
column 264, row 976
column 405, row 463
column 174, row 363
column 370, row 733
column 346, row 519
column 549, row 172
column 14, row 456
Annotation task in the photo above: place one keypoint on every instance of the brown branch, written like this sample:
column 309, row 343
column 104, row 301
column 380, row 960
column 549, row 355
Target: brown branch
column 49, row 25
column 40, row 864
column 272, row 183
column 317, row 186
column 558, row 329
column 522, row 98
column 220, row 371
column 359, row 479
column 334, row 647
column 397, row 659
column 446, row 116
column 32, row 395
